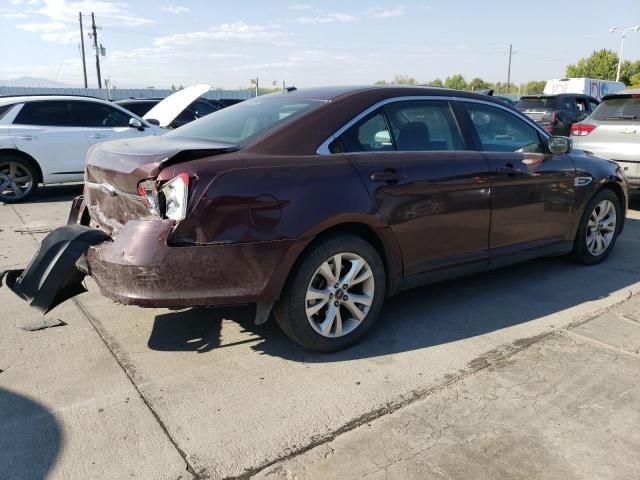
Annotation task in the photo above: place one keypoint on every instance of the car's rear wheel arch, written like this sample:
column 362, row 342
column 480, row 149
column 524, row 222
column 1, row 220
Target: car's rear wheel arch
column 360, row 230
column 8, row 152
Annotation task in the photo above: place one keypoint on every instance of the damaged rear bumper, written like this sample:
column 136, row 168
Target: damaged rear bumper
column 139, row 267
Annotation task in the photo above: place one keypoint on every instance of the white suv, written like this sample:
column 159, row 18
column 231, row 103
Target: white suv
column 45, row 138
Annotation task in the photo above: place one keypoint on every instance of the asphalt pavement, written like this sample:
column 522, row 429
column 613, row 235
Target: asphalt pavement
column 515, row 370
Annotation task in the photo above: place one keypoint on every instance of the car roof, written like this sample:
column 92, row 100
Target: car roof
column 33, row 98
column 329, row 94
column 628, row 91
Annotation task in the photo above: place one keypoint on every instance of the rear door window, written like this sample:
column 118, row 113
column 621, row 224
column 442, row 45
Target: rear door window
column 53, row 113
column 501, row 131
column 370, row 134
column 94, row 114
column 423, row 126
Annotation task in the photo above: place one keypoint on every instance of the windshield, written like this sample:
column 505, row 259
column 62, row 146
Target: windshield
column 238, row 123
column 532, row 103
column 618, row 108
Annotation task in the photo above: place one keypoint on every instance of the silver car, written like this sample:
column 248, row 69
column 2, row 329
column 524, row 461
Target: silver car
column 613, row 132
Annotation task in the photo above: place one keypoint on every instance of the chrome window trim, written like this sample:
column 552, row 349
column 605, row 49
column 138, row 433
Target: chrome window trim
column 323, row 149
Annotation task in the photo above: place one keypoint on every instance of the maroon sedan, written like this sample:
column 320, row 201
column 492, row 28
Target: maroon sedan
column 317, row 204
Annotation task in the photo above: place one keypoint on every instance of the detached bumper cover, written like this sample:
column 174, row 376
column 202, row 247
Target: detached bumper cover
column 52, row 276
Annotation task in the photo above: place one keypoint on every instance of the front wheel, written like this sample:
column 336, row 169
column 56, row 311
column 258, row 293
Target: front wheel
column 599, row 228
column 18, row 179
column 334, row 296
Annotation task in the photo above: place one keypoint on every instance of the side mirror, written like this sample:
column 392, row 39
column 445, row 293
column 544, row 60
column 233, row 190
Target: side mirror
column 153, row 121
column 135, row 123
column 559, row 145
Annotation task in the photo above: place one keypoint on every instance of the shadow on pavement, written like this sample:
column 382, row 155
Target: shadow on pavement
column 423, row 317
column 30, row 437
column 57, row 193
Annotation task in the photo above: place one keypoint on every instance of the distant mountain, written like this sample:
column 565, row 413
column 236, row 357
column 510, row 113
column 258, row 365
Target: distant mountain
column 33, row 82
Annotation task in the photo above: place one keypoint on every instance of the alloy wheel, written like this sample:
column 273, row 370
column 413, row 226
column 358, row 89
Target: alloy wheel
column 601, row 227
column 15, row 181
column 339, row 295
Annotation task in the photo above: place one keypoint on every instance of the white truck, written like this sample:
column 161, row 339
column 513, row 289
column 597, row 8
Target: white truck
column 586, row 86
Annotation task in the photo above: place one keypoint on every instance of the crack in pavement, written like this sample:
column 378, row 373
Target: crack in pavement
column 489, row 359
column 129, row 370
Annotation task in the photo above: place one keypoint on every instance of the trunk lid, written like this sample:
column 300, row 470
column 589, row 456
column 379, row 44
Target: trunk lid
column 168, row 109
column 114, row 170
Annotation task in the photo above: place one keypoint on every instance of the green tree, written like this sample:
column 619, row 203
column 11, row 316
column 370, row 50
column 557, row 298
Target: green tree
column 381, row 82
column 534, row 87
column 478, row 84
column 601, row 64
column 456, row 82
column 436, row 83
column 634, row 81
column 404, row 80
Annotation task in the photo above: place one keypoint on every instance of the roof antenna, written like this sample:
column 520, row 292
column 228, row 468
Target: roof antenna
column 291, row 89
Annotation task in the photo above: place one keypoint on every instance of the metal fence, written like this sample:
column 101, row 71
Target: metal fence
column 120, row 93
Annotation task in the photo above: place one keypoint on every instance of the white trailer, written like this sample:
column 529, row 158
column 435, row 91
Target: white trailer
column 586, row 86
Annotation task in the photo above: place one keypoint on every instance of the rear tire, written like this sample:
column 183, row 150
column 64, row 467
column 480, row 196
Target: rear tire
column 599, row 228
column 315, row 309
column 18, row 179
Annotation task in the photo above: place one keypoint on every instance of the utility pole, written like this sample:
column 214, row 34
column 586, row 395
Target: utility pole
column 84, row 63
column 624, row 35
column 509, row 69
column 95, row 47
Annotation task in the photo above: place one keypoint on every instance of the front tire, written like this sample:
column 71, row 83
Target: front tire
column 334, row 296
column 18, row 179
column 599, row 228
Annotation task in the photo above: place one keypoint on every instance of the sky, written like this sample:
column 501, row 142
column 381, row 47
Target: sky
column 307, row 43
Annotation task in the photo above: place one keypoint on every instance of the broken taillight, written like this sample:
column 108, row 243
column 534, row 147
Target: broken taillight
column 175, row 194
column 147, row 190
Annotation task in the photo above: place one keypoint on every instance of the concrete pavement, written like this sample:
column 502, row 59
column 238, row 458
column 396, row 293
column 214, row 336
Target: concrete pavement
column 560, row 406
column 212, row 396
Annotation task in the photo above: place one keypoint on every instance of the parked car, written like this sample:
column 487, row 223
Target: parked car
column 321, row 203
column 227, row 102
column 45, row 138
column 556, row 113
column 199, row 108
column 613, row 131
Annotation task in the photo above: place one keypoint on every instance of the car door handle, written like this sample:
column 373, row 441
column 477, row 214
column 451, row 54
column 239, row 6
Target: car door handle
column 25, row 137
column 388, row 176
column 97, row 135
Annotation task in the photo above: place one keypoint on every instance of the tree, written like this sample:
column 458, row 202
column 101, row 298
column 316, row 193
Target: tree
column 534, row 87
column 456, row 82
column 404, row 80
column 381, row 82
column 436, row 83
column 601, row 64
column 634, row 81
column 478, row 84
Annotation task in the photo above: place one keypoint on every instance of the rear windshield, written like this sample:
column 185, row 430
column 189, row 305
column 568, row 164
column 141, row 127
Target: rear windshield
column 618, row 108
column 238, row 123
column 531, row 103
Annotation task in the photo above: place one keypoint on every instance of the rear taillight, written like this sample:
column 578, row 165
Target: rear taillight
column 147, row 190
column 175, row 194
column 581, row 129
